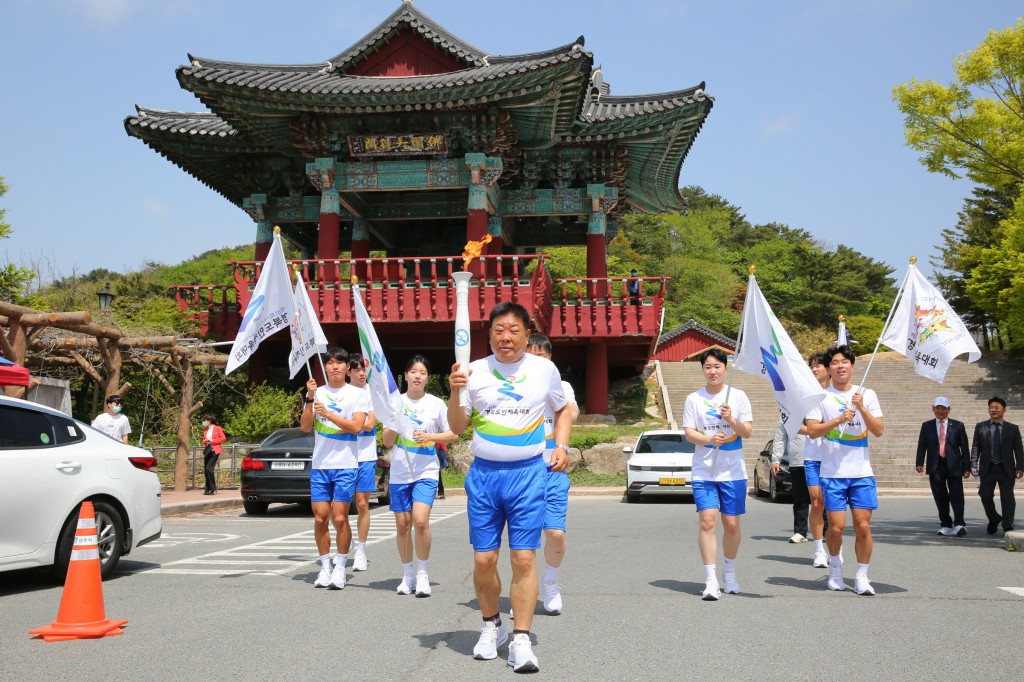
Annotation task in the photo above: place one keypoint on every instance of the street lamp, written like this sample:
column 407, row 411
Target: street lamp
column 106, row 298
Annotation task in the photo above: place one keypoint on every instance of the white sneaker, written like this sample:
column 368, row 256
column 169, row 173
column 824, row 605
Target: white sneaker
column 945, row 530
column 711, row 590
column 959, row 531
column 861, row 585
column 552, row 597
column 359, row 563
column 422, row 584
column 491, row 637
column 731, row 585
column 820, row 559
column 407, row 585
column 324, row 579
column 835, row 578
column 521, row 656
column 337, row 581
column 797, row 537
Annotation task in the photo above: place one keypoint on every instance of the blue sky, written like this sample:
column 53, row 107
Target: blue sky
column 803, row 131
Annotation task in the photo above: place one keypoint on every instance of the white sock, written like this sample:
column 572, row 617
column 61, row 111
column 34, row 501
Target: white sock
column 342, row 560
column 408, row 569
column 819, row 545
column 862, row 569
column 360, row 548
column 551, row 573
column 423, row 566
column 729, row 566
column 325, row 561
column 836, row 560
column 709, row 571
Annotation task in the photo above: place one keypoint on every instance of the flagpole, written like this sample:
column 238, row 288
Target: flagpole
column 728, row 372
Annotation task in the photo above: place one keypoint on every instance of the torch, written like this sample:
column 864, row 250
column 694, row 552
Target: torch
column 462, row 278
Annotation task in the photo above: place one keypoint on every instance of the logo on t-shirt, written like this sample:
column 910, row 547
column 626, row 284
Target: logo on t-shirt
column 507, row 383
column 713, row 410
column 414, row 415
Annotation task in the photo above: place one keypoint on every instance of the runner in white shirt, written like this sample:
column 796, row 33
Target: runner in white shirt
column 336, row 413
column 415, row 471
column 366, row 482
column 556, row 500
column 812, row 471
column 717, row 429
column 844, row 419
column 504, row 397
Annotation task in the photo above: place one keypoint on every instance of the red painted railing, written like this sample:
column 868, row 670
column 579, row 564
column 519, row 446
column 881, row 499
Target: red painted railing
column 604, row 307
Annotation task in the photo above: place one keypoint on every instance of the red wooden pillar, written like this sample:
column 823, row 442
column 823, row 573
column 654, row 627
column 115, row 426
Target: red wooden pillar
column 597, row 255
column 483, row 172
column 494, row 248
column 264, row 238
column 360, row 246
column 597, row 377
column 329, row 237
column 479, row 344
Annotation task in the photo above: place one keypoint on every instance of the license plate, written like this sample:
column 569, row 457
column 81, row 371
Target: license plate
column 290, row 466
column 671, row 481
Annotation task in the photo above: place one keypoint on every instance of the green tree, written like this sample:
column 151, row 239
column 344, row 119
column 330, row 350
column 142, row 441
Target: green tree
column 267, row 409
column 13, row 279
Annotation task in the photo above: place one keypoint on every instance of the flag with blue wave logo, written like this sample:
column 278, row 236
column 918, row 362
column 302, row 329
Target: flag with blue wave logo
column 270, row 308
column 767, row 351
column 384, row 393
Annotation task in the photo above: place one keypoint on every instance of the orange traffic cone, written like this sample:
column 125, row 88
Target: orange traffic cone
column 81, row 614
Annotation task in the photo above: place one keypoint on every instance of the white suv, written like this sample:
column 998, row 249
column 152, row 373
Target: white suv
column 661, row 461
column 49, row 464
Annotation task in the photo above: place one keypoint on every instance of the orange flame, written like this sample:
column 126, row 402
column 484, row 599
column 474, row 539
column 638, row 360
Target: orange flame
column 473, row 250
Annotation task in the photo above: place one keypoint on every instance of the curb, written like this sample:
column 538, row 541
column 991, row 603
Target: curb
column 1014, row 541
column 190, row 507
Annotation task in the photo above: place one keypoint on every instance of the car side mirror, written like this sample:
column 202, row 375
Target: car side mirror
column 627, row 448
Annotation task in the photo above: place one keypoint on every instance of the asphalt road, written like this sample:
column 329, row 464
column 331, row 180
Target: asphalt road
column 227, row 596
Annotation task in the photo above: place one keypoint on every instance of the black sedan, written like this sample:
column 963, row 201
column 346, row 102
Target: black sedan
column 278, row 471
column 766, row 483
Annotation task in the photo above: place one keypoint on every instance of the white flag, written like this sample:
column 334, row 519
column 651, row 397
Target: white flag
column 307, row 335
column 925, row 329
column 384, row 393
column 768, row 351
column 841, row 337
column 269, row 309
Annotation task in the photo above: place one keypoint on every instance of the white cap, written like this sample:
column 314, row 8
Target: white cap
column 941, row 401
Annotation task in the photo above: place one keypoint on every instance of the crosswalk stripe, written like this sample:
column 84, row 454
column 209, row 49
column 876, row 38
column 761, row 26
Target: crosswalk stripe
column 273, row 557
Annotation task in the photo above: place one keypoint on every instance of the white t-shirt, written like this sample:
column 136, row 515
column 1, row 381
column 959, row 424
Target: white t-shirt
column 332, row 447
column 702, row 412
column 506, row 403
column 367, row 439
column 846, row 456
column 114, row 425
column 549, row 422
column 428, row 414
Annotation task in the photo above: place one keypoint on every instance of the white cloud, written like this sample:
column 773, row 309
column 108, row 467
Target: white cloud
column 779, row 126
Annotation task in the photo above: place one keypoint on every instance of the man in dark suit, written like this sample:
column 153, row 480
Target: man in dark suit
column 997, row 456
column 944, row 454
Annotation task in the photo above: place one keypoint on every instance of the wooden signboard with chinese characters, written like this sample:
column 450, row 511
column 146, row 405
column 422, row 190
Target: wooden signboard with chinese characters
column 398, row 145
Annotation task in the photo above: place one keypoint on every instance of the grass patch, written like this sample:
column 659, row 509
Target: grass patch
column 582, row 478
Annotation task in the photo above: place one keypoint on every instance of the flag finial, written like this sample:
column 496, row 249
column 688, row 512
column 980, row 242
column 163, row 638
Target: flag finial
column 913, row 259
column 355, row 280
column 752, row 269
column 842, row 318
column 277, row 230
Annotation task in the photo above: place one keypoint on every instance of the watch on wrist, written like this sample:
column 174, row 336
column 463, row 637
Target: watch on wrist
column 306, row 400
column 564, row 446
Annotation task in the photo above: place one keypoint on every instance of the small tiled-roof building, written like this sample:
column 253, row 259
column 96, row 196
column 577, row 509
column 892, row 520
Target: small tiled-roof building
column 688, row 340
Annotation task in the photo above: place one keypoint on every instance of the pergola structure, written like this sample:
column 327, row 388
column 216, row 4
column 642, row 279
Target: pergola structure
column 412, row 142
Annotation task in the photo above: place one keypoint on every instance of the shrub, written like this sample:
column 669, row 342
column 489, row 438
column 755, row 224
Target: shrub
column 267, row 409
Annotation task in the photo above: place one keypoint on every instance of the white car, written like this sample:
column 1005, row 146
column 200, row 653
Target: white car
column 49, row 464
column 661, row 462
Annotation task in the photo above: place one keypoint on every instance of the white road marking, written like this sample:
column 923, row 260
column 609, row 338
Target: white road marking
column 284, row 555
column 169, row 540
column 1019, row 591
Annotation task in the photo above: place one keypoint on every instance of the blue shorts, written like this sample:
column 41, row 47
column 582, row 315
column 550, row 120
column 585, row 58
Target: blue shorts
column 556, row 500
column 332, row 485
column 404, row 494
column 812, row 472
column 859, row 493
column 506, row 492
column 367, row 480
column 728, row 497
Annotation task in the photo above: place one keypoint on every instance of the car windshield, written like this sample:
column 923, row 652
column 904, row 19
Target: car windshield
column 664, row 442
column 290, row 438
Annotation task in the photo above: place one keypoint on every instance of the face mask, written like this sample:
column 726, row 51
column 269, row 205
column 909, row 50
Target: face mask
column 116, row 409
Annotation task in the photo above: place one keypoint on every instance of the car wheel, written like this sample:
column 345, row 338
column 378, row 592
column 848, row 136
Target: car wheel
column 632, row 497
column 773, row 492
column 757, row 485
column 255, row 507
column 109, row 538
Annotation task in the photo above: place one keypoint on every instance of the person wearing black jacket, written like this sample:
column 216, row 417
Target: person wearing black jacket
column 997, row 456
column 945, row 455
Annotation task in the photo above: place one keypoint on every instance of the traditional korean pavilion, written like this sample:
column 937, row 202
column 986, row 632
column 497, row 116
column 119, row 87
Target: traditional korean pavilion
column 406, row 146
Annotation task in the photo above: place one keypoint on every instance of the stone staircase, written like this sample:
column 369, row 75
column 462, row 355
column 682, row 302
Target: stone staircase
column 905, row 398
